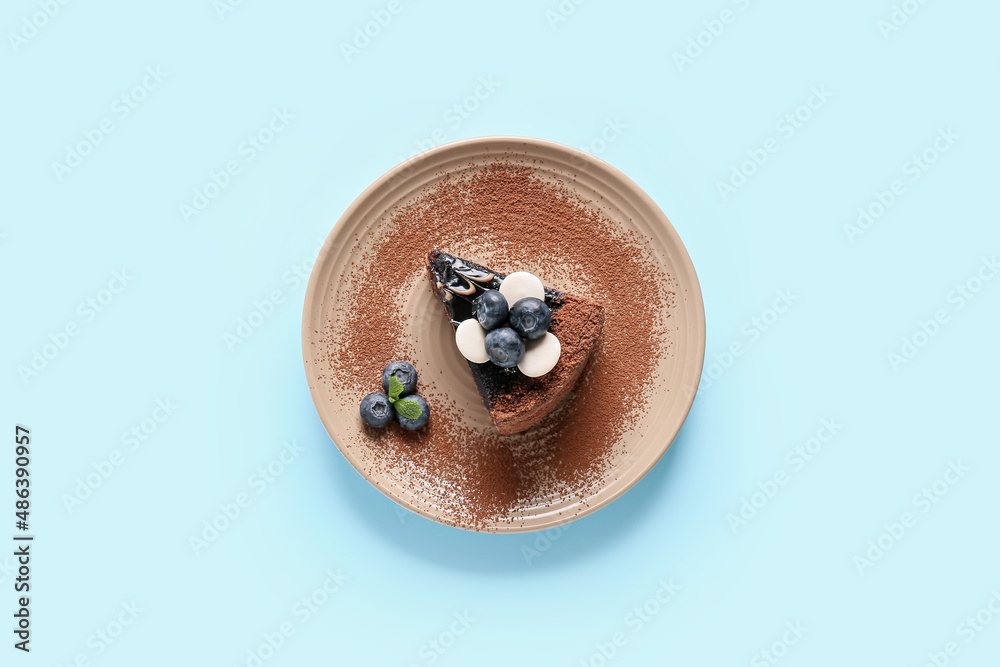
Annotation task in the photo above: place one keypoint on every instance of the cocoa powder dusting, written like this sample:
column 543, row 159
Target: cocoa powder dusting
column 507, row 216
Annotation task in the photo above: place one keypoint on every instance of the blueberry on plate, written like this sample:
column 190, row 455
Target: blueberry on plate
column 404, row 372
column 417, row 422
column 530, row 317
column 504, row 347
column 491, row 309
column 376, row 409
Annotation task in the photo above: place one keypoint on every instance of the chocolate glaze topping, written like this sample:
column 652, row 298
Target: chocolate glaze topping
column 459, row 282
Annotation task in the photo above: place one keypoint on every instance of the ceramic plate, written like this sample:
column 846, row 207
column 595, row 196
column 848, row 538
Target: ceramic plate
column 619, row 200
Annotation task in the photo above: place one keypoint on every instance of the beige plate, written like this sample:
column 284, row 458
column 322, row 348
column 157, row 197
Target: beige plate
column 623, row 202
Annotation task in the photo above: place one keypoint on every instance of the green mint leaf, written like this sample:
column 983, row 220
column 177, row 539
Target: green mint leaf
column 395, row 388
column 408, row 408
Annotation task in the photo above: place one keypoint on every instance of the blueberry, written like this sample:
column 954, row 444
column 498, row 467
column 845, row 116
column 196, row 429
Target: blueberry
column 404, row 372
column 504, row 347
column 419, row 422
column 530, row 317
column 376, row 409
column 491, row 309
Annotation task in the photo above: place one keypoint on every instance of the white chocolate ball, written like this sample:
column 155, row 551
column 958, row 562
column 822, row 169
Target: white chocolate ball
column 540, row 356
column 520, row 285
column 470, row 337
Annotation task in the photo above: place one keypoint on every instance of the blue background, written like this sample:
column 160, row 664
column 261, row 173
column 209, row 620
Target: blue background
column 602, row 76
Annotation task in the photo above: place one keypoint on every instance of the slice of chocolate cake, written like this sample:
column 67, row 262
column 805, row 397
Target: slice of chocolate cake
column 515, row 401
